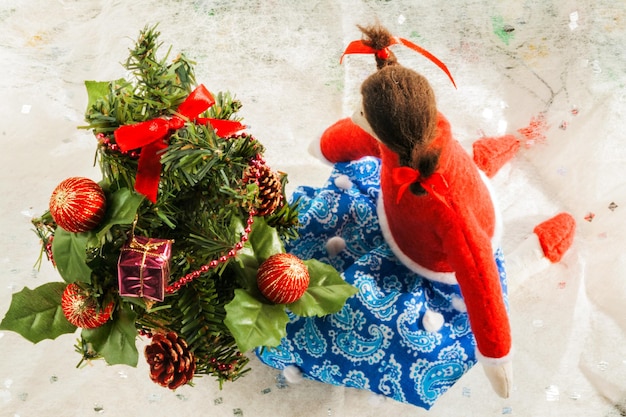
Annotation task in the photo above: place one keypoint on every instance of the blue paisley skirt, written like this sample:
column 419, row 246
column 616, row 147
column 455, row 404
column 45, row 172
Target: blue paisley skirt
column 377, row 342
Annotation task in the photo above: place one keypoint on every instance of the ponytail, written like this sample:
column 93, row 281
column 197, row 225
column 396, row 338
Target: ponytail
column 379, row 39
column 426, row 163
column 399, row 104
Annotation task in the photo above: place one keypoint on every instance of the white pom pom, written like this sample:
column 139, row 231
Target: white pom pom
column 343, row 182
column 459, row 304
column 293, row 374
column 334, row 245
column 432, row 321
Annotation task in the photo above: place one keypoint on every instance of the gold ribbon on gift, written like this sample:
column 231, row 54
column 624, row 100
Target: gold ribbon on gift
column 147, row 249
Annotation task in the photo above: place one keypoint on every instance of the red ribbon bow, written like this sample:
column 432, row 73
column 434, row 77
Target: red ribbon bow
column 435, row 185
column 358, row 47
column 152, row 137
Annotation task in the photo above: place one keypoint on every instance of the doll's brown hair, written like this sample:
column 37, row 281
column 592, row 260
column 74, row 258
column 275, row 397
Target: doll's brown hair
column 399, row 104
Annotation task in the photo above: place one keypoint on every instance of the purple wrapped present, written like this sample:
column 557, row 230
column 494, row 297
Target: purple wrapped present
column 144, row 267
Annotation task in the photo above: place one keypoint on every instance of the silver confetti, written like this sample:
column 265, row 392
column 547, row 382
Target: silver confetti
column 575, row 396
column 595, row 67
column 281, row 381
column 552, row 393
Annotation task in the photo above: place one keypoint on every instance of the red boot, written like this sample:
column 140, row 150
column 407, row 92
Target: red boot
column 490, row 154
column 556, row 235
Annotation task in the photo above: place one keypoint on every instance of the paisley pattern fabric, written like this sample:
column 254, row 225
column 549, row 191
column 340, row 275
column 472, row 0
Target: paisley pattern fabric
column 378, row 341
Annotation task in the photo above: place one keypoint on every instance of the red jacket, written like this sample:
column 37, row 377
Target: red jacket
column 449, row 242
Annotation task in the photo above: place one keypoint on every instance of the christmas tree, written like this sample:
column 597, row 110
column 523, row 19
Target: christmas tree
column 169, row 244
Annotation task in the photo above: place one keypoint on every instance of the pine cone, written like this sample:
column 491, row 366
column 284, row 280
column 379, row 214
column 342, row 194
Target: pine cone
column 171, row 362
column 270, row 195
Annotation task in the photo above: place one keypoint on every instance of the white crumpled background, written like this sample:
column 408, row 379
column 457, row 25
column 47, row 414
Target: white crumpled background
column 556, row 68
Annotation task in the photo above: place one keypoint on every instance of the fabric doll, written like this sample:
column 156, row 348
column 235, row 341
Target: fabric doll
column 410, row 219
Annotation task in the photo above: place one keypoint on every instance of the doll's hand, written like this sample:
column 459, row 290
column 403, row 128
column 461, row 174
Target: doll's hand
column 501, row 377
column 314, row 149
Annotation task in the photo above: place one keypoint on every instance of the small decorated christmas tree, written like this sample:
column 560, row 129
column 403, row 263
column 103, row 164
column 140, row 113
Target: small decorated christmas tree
column 169, row 243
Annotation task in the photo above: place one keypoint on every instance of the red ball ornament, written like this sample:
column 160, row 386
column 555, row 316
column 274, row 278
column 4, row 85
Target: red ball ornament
column 82, row 310
column 77, row 204
column 283, row 278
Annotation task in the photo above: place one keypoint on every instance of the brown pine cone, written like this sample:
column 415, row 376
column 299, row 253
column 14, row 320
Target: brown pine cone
column 270, row 195
column 171, row 362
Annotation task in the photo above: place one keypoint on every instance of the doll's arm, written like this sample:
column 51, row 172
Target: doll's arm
column 345, row 141
column 472, row 258
column 470, row 254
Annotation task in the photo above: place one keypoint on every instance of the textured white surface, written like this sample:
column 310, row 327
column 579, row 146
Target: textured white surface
column 513, row 61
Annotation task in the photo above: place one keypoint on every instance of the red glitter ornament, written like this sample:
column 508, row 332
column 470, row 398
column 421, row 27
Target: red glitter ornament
column 77, row 204
column 82, row 310
column 283, row 278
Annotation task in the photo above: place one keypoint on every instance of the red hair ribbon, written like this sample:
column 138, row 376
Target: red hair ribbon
column 435, row 185
column 151, row 136
column 358, row 47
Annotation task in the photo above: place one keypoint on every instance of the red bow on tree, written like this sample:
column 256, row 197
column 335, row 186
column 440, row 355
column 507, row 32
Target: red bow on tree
column 435, row 185
column 358, row 47
column 152, row 137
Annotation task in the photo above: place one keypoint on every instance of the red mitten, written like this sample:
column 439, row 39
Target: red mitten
column 556, row 235
column 490, row 154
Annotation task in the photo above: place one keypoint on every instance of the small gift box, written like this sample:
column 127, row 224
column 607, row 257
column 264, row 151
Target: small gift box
column 144, row 268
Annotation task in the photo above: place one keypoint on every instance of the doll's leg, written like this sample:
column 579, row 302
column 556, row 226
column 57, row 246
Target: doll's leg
column 546, row 245
column 490, row 154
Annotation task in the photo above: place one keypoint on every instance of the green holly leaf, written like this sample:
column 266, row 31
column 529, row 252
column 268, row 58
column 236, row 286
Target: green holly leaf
column 122, row 206
column 69, row 251
column 247, row 268
column 115, row 340
column 254, row 322
column 263, row 242
column 327, row 292
column 37, row 314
